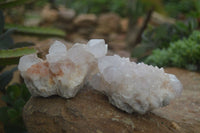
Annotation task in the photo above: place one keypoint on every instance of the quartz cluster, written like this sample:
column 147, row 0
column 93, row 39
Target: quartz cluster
column 129, row 86
column 64, row 71
column 134, row 87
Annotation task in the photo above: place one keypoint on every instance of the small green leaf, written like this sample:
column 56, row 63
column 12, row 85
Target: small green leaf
column 13, row 91
column 6, row 40
column 1, row 68
column 1, row 22
column 11, row 116
column 12, row 56
column 192, row 23
column 37, row 30
column 19, row 104
column 7, row 99
column 12, row 113
column 181, row 27
column 3, row 115
column 18, row 52
column 5, row 78
column 25, row 93
column 22, row 44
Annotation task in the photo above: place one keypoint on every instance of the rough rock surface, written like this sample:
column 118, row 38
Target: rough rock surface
column 85, row 20
column 48, row 14
column 108, row 23
column 124, row 25
column 66, row 14
column 90, row 111
column 85, row 24
column 158, row 19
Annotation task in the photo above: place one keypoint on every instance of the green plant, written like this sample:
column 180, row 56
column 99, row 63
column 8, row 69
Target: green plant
column 5, row 78
column 183, row 53
column 11, row 115
column 161, row 36
column 15, row 96
column 9, row 51
column 121, row 7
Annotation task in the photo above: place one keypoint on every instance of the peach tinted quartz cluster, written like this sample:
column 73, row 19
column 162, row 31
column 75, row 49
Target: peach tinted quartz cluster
column 129, row 86
column 64, row 71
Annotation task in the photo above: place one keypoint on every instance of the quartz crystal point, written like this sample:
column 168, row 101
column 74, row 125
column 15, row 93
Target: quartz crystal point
column 64, row 71
column 134, row 87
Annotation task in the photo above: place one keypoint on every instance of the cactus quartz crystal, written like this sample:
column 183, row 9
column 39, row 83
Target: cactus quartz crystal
column 129, row 86
column 134, row 87
column 64, row 71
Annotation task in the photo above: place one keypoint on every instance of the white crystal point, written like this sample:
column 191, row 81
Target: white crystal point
column 79, row 55
column 176, row 84
column 27, row 61
column 57, row 47
column 108, row 61
column 134, row 87
column 97, row 47
column 57, row 52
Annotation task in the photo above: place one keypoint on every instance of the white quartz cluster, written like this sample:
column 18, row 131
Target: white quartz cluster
column 64, row 71
column 129, row 86
column 134, row 87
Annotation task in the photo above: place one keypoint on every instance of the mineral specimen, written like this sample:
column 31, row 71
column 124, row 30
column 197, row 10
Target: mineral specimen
column 134, row 87
column 64, row 71
column 129, row 86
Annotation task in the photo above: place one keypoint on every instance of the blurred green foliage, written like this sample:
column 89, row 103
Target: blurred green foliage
column 181, row 8
column 162, row 35
column 9, row 51
column 39, row 3
column 5, row 78
column 11, row 115
column 183, row 53
column 121, row 7
column 5, row 4
column 173, row 8
column 98, row 6
column 15, row 96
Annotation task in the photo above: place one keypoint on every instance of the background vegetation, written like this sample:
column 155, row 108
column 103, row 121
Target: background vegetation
column 182, row 53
